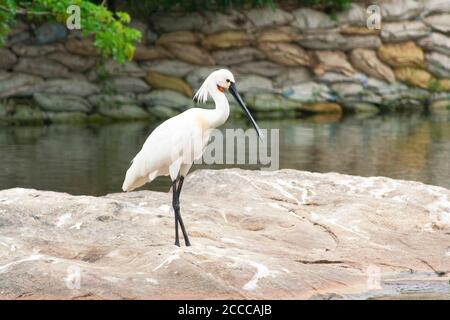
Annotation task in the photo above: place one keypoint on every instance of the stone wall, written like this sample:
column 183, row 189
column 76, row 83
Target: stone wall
column 286, row 64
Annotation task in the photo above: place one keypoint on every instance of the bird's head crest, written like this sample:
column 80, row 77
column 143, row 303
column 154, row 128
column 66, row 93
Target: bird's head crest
column 217, row 80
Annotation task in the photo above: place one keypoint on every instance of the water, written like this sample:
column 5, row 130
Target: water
column 93, row 159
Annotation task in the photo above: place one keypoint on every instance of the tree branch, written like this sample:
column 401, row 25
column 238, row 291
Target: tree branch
column 24, row 12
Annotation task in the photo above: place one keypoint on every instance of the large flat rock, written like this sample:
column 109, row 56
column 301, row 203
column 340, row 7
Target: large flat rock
column 256, row 234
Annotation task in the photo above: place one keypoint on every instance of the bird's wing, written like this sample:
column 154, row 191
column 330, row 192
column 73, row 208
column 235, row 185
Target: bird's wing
column 172, row 143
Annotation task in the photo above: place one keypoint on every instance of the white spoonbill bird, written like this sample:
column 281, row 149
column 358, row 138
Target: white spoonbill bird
column 174, row 145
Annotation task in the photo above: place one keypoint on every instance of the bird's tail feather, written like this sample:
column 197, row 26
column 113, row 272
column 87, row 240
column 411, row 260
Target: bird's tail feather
column 132, row 183
column 137, row 176
column 133, row 179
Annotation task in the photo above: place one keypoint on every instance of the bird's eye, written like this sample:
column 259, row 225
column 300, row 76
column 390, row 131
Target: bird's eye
column 228, row 80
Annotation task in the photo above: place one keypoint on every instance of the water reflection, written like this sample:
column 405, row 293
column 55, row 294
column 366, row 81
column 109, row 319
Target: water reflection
column 93, row 159
column 409, row 147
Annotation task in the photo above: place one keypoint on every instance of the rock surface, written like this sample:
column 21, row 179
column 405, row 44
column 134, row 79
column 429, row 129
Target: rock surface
column 83, row 46
column 333, row 40
column 169, row 67
column 69, row 86
column 279, row 34
column 401, row 31
column 439, row 22
column 400, row 9
column 237, row 55
column 308, row 91
column 166, row 98
column 129, row 69
column 217, row 21
column 42, row 67
column 285, row 234
column 285, row 53
column 61, row 102
column 227, row 39
column 144, row 53
column 127, row 85
column 162, row 81
column 436, row 41
column 123, row 112
column 406, row 54
column 415, row 77
column 8, row 58
column 262, row 17
column 190, row 53
column 50, row 32
column 178, row 37
column 18, row 84
column 306, row 18
column 73, row 61
column 367, row 61
column 335, row 61
column 438, row 64
column 35, row 51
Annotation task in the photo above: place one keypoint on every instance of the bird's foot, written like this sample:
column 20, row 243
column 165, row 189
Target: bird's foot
column 177, row 243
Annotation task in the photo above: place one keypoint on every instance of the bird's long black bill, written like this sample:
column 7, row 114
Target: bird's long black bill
column 239, row 100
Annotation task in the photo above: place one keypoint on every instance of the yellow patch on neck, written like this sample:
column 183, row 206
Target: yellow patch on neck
column 221, row 89
column 202, row 122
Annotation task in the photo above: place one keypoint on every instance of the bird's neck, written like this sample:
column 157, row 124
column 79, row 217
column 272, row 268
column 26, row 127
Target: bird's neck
column 222, row 110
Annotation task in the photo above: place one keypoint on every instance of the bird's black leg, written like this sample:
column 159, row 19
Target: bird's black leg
column 177, row 212
column 175, row 205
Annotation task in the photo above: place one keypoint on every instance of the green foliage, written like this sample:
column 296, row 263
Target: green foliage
column 7, row 13
column 111, row 35
column 153, row 5
column 330, row 6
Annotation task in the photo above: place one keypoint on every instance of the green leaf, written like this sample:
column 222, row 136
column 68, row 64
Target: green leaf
column 123, row 17
column 112, row 37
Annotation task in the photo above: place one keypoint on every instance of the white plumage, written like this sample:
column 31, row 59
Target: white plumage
column 166, row 150
column 176, row 143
